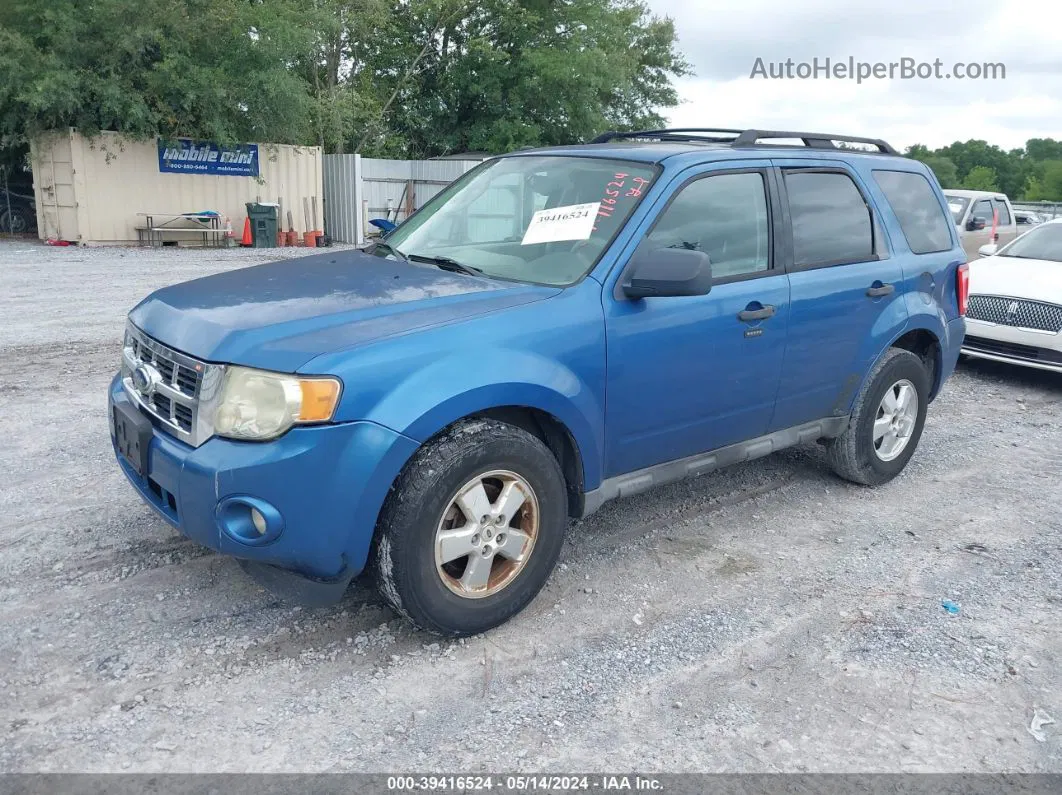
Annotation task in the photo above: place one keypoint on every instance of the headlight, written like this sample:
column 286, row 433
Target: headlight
column 258, row 405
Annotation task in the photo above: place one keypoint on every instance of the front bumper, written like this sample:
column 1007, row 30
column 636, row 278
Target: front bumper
column 1027, row 347
column 327, row 483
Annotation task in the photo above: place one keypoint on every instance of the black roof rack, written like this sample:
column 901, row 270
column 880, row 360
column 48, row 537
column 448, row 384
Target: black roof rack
column 676, row 134
column 748, row 137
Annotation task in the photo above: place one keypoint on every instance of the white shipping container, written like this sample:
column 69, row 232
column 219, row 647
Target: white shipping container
column 90, row 190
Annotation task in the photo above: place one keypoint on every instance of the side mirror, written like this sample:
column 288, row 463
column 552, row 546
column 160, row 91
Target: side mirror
column 975, row 224
column 664, row 272
column 988, row 250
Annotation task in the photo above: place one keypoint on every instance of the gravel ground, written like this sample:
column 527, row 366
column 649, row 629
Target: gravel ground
column 764, row 618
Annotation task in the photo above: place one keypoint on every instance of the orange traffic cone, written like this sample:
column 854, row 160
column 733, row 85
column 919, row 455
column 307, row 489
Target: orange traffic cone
column 246, row 233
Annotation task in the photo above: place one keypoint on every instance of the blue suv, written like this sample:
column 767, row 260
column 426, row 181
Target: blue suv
column 557, row 328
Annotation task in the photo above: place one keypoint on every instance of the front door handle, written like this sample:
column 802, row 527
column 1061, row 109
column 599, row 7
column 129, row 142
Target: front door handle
column 879, row 289
column 749, row 315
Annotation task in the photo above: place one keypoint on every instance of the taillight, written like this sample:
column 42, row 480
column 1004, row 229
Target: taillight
column 963, row 286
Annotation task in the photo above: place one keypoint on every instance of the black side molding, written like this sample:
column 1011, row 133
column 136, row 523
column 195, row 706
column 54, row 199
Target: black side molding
column 669, row 471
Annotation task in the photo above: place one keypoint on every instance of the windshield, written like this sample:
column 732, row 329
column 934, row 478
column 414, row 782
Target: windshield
column 538, row 218
column 957, row 205
column 1043, row 242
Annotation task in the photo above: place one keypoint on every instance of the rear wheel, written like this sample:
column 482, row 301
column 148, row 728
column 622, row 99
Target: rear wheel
column 886, row 423
column 472, row 529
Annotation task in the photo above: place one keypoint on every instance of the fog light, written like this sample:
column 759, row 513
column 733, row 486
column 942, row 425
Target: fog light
column 259, row 521
column 249, row 520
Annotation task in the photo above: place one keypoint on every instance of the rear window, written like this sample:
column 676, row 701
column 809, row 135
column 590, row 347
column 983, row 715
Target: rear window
column 831, row 221
column 920, row 215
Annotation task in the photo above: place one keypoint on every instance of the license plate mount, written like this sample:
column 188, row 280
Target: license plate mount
column 132, row 436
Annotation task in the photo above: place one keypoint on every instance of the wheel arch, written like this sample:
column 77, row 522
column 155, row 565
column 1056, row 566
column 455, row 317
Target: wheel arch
column 557, row 437
column 926, row 345
column 537, row 393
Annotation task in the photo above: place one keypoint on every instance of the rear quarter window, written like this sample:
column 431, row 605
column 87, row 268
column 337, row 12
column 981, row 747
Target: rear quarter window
column 913, row 200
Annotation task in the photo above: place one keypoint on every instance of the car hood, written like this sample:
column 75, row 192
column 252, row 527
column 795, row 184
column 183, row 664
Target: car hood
column 280, row 315
column 1034, row 279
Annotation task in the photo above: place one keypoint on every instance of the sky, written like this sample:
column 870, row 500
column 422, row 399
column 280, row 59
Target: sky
column 722, row 41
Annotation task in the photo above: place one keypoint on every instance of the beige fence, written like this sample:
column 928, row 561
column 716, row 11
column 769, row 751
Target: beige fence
column 91, row 190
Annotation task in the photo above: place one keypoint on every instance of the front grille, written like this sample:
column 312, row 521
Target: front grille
column 1011, row 350
column 183, row 383
column 185, row 378
column 1015, row 312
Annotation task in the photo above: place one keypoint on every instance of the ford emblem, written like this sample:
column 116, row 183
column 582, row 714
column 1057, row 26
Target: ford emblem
column 145, row 378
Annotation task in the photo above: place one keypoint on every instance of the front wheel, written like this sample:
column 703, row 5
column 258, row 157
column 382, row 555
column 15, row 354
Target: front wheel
column 886, row 423
column 472, row 529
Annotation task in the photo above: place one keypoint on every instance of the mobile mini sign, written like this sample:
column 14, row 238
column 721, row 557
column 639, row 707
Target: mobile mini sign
column 185, row 156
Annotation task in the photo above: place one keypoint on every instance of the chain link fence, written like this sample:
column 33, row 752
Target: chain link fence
column 18, row 212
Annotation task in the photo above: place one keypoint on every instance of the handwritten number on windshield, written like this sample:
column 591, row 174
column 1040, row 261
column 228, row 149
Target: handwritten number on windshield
column 614, row 191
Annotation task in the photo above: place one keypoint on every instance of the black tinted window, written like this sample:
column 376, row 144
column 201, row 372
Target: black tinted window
column 831, row 222
column 921, row 218
column 1004, row 213
column 725, row 216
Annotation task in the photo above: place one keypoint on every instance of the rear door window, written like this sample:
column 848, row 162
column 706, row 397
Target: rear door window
column 1004, row 213
column 920, row 215
column 832, row 223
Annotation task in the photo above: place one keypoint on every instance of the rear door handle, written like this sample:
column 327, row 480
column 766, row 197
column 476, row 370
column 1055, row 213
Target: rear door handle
column 756, row 314
column 878, row 290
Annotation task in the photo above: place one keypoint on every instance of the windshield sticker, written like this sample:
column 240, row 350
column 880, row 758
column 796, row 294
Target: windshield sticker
column 615, row 189
column 574, row 222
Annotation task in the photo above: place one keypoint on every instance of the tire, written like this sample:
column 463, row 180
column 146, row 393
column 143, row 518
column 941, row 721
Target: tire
column 856, row 454
column 429, row 501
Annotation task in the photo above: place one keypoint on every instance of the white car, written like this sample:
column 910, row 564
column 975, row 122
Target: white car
column 1024, row 219
column 1014, row 312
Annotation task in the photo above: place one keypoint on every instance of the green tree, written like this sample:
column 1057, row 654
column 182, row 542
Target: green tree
column 501, row 74
column 1020, row 173
column 341, row 70
column 216, row 69
column 981, row 178
column 972, row 154
column 1041, row 149
column 1048, row 186
column 413, row 78
column 945, row 171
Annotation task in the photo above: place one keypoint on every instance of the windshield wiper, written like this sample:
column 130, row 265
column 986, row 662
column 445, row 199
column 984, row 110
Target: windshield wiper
column 448, row 264
column 388, row 247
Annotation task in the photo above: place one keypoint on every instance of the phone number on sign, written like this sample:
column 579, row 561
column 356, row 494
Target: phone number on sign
column 475, row 783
